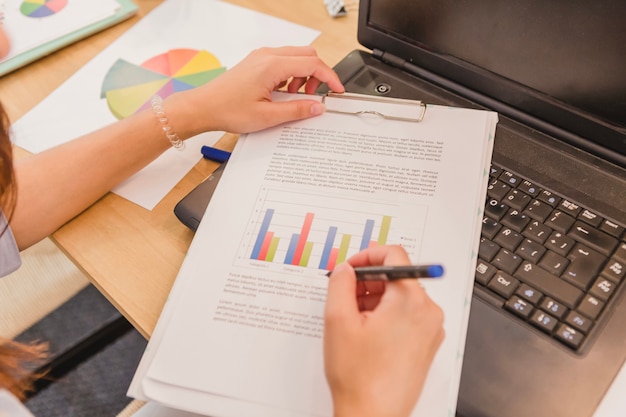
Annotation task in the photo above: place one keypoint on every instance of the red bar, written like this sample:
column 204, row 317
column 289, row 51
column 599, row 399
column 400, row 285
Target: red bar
column 266, row 245
column 332, row 259
column 304, row 234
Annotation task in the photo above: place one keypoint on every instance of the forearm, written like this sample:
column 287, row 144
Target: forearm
column 57, row 184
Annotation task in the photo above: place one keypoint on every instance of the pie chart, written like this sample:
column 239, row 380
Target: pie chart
column 128, row 88
column 42, row 8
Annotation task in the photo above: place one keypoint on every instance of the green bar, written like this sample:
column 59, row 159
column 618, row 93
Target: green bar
column 384, row 230
column 271, row 251
column 343, row 249
column 306, row 254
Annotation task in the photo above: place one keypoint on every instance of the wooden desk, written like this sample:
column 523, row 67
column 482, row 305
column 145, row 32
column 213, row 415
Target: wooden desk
column 131, row 254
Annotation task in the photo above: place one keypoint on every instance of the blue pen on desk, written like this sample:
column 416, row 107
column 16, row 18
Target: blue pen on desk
column 215, row 154
column 392, row 273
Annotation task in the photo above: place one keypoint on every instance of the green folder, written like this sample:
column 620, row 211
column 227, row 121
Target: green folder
column 127, row 9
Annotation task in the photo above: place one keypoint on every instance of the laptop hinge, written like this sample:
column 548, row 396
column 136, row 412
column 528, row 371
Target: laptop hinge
column 391, row 59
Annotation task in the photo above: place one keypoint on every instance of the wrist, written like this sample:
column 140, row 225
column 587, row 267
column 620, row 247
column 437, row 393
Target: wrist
column 188, row 115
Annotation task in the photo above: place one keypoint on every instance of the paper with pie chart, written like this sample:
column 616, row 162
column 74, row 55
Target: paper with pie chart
column 42, row 8
column 128, row 87
column 32, row 23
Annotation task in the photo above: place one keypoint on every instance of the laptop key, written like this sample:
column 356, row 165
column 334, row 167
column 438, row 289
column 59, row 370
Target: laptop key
column 529, row 293
column 590, row 217
column 559, row 243
column 506, row 260
column 509, row 178
column 484, row 272
column 612, row 228
column 579, row 321
column 569, row 335
column 593, row 238
column 553, row 307
column 516, row 220
column 548, row 197
column 548, row 284
column 517, row 199
column 503, row 284
column 487, row 249
column 620, row 253
column 519, row 307
column 570, row 208
column 543, row 321
column 614, row 270
column 603, row 289
column 531, row 250
column 554, row 263
column 591, row 307
column 508, row 238
column 585, row 264
column 537, row 231
column 560, row 221
column 495, row 209
column 529, row 188
column 490, row 227
column 538, row 210
column 497, row 189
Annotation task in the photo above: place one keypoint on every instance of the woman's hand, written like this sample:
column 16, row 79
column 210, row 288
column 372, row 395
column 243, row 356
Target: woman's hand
column 379, row 338
column 240, row 101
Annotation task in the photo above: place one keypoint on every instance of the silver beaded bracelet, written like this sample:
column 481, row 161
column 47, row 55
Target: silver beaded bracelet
column 157, row 109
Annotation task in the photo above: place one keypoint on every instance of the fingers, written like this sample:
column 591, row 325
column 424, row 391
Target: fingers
column 280, row 112
column 381, row 255
column 341, row 303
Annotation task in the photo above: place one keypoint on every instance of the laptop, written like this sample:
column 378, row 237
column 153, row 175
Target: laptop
column 547, row 328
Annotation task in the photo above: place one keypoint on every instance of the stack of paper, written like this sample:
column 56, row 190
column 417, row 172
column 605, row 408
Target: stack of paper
column 241, row 333
column 37, row 28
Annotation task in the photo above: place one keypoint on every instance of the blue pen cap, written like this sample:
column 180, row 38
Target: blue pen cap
column 435, row 271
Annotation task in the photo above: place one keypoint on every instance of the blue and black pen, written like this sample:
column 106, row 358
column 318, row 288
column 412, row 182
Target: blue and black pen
column 392, row 273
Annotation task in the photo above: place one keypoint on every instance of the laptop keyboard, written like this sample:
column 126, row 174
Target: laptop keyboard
column 547, row 260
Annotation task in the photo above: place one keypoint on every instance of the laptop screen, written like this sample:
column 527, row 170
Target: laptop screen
column 561, row 61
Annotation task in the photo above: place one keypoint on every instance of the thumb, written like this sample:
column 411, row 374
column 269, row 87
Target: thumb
column 281, row 112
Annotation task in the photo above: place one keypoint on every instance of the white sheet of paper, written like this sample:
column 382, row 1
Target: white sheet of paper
column 29, row 28
column 76, row 107
column 251, row 330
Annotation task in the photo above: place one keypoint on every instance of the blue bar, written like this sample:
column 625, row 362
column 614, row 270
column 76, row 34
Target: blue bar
column 367, row 234
column 293, row 244
column 330, row 239
column 265, row 225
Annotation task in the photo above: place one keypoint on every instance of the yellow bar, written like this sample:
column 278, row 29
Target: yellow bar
column 271, row 251
column 343, row 249
column 384, row 230
column 306, row 254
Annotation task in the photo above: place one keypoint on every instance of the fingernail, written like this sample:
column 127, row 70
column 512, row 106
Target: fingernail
column 317, row 109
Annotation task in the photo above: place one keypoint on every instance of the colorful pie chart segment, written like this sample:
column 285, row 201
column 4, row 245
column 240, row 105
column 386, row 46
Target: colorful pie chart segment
column 128, row 87
column 41, row 8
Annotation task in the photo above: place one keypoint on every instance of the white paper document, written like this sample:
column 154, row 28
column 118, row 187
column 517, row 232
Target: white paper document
column 180, row 44
column 29, row 24
column 241, row 333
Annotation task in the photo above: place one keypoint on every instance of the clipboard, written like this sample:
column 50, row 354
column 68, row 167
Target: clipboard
column 127, row 9
column 383, row 107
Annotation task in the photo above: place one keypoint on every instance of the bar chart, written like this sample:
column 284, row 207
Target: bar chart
column 319, row 231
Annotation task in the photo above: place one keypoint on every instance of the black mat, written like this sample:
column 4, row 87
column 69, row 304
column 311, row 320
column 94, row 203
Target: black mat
column 95, row 352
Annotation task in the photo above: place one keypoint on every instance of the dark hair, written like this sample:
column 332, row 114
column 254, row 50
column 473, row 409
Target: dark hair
column 18, row 366
column 7, row 176
column 17, row 360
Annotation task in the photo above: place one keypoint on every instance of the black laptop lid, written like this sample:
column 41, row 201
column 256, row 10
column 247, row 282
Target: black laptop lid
column 560, row 62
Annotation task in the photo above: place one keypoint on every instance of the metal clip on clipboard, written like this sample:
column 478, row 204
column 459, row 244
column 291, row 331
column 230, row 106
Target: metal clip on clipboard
column 385, row 107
